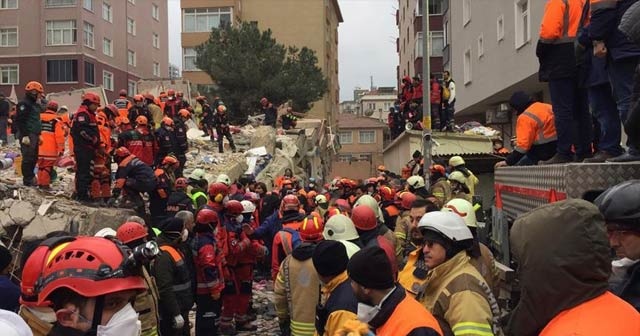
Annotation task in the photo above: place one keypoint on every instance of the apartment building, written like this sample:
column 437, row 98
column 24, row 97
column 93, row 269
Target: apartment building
column 409, row 43
column 310, row 23
column 376, row 103
column 361, row 145
column 70, row 44
column 490, row 48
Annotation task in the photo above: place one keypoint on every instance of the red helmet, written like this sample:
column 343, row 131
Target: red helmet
column 171, row 92
column 184, row 113
column 52, row 105
column 207, row 217
column 141, row 120
column 148, row 96
column 122, row 93
column 436, row 168
column 181, row 183
column 406, row 199
column 290, row 203
column 364, row 218
column 334, row 211
column 201, row 98
column 112, row 110
column 386, row 193
column 122, row 152
column 217, row 191
column 138, row 98
column 170, row 160
column 91, row 98
column 89, row 266
column 222, row 109
column 131, row 231
column 234, row 208
column 311, row 229
column 264, row 101
column 343, row 205
column 312, row 194
column 167, row 121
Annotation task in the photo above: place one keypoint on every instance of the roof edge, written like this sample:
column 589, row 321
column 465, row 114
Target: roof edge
column 338, row 11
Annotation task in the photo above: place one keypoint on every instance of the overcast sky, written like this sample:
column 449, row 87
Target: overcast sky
column 366, row 43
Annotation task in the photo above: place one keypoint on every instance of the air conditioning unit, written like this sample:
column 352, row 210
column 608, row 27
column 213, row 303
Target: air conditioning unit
column 501, row 114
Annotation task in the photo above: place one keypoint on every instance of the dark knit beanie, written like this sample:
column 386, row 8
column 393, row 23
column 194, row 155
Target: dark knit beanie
column 370, row 267
column 330, row 258
column 520, row 101
column 5, row 257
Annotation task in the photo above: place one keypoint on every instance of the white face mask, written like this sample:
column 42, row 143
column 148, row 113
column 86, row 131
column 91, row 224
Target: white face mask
column 185, row 235
column 366, row 313
column 239, row 219
column 123, row 323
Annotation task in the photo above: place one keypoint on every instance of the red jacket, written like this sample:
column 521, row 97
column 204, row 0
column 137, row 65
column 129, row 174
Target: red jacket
column 417, row 92
column 282, row 246
column 241, row 250
column 140, row 143
column 436, row 92
column 209, row 263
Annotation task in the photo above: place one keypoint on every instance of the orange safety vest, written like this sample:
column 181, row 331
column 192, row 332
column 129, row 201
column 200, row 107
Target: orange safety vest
column 561, row 21
column 606, row 314
column 408, row 315
column 535, row 126
column 52, row 136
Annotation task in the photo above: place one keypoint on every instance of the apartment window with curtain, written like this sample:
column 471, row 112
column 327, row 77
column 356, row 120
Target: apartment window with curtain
column 107, row 80
column 435, row 7
column 523, row 26
column 9, row 37
column 204, row 19
column 107, row 47
column 132, row 88
column 89, row 73
column 61, row 32
column 9, row 74
column 62, row 71
column 88, row 5
column 345, row 137
column 131, row 26
column 156, row 69
column 107, row 14
column 88, row 35
column 367, row 137
column 155, row 12
column 8, row 4
column 189, row 56
column 155, row 41
column 131, row 57
column 59, row 3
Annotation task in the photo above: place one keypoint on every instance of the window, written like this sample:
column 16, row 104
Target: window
column 156, row 41
column 9, row 37
column 367, row 137
column 132, row 88
column 107, row 80
column 89, row 73
column 467, row 66
column 345, row 138
column 131, row 26
column 9, row 74
column 8, row 4
column 522, row 22
column 344, row 158
column 60, row 3
column 131, row 57
column 500, row 27
column 107, row 15
column 466, row 12
column 61, row 32
column 419, row 45
column 107, row 48
column 446, row 33
column 204, row 19
column 88, row 35
column 436, row 39
column 155, row 12
column 156, row 69
column 435, row 7
column 61, row 71
column 419, row 10
column 480, row 45
column 133, row 2
column 88, row 5
column 189, row 59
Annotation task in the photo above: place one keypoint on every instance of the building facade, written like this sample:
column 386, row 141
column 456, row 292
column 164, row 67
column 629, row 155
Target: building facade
column 409, row 43
column 361, row 145
column 70, row 44
column 376, row 104
column 490, row 48
column 312, row 23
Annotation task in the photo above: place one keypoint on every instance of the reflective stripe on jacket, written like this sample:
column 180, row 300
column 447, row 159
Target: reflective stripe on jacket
column 536, row 126
column 51, row 136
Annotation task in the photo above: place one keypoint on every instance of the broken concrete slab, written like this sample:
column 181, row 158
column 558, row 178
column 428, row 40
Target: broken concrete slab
column 264, row 136
column 40, row 226
column 44, row 207
column 22, row 213
column 5, row 220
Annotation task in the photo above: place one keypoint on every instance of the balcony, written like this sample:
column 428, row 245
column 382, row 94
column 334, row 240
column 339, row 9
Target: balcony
column 446, row 55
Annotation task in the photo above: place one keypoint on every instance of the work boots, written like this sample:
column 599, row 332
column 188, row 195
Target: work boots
column 243, row 323
column 226, row 327
column 556, row 159
column 599, row 157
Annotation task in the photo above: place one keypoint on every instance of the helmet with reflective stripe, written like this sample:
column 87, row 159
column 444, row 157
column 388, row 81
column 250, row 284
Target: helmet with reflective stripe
column 248, row 206
column 290, row 203
column 217, row 191
column 464, row 209
column 340, row 227
column 386, row 193
column 415, row 182
column 311, row 229
column 458, row 177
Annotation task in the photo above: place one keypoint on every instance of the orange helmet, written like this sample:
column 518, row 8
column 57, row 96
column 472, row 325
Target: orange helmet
column 52, row 105
column 148, row 96
column 101, row 118
column 343, row 205
column 312, row 194
column 33, row 85
column 170, row 160
column 334, row 211
column 122, row 121
column 91, row 98
column 222, row 109
column 311, row 229
column 167, row 121
column 364, row 218
column 181, row 183
column 184, row 113
column 138, row 98
column 406, row 199
column 122, row 152
column 112, row 110
column 290, row 203
column 386, row 193
column 171, row 92
column 382, row 168
column 122, row 93
column 142, row 121
column 131, row 231
column 436, row 168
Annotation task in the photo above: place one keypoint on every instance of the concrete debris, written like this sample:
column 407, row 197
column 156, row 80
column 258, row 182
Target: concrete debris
column 22, row 213
column 264, row 136
column 40, row 226
column 5, row 220
column 44, row 207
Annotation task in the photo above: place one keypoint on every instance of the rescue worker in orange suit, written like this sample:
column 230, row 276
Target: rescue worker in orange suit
column 140, row 141
column 101, row 184
column 171, row 106
column 290, row 220
column 407, row 90
column 240, row 257
column 182, row 142
column 123, row 125
column 28, row 127
column 390, row 211
column 221, row 124
column 559, row 67
column 164, row 187
column 122, row 104
column 436, row 102
column 166, row 139
column 86, row 143
column 575, row 261
column 132, row 178
column 178, row 199
column 416, row 97
column 535, row 132
column 51, row 144
column 209, row 264
column 269, row 111
column 139, row 109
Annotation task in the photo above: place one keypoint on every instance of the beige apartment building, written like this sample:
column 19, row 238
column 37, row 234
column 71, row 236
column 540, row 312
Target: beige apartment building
column 361, row 146
column 310, row 23
column 70, row 44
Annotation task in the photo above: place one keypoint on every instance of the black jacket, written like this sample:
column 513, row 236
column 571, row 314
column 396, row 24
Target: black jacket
column 4, row 108
column 168, row 274
column 629, row 289
column 28, row 117
column 167, row 144
column 178, row 201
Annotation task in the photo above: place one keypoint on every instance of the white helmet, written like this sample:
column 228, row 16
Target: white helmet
column 224, row 178
column 455, row 161
column 197, row 174
column 464, row 209
column 416, row 181
column 340, row 227
column 458, row 177
column 351, row 247
column 371, row 203
column 105, row 232
column 448, row 224
column 320, row 199
column 248, row 206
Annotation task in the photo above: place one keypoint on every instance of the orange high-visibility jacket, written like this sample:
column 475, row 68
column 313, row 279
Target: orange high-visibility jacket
column 52, row 136
column 561, row 21
column 105, row 137
column 535, row 126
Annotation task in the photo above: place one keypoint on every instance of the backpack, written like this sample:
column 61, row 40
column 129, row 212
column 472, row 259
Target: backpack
column 295, row 239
